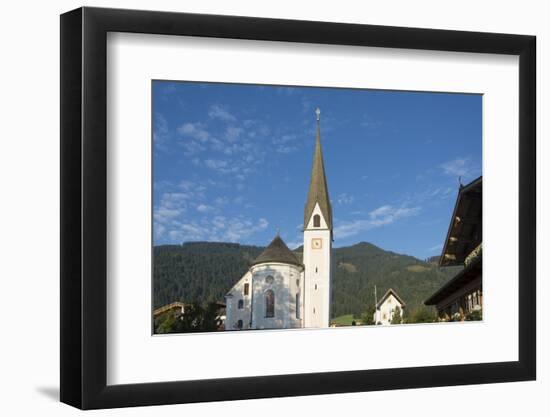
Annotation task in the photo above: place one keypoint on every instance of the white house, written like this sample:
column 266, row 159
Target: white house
column 280, row 291
column 387, row 307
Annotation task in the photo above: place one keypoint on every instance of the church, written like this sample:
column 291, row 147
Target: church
column 280, row 291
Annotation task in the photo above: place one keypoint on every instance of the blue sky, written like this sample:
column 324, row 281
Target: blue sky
column 232, row 162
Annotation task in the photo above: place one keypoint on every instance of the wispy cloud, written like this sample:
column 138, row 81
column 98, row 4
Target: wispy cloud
column 216, row 164
column 195, row 137
column 204, row 208
column 217, row 228
column 286, row 149
column 172, row 205
column 381, row 216
column 221, row 113
column 221, row 201
column 460, row 167
column 222, row 166
column 194, row 130
column 430, row 195
column 233, row 148
column 161, row 132
column 232, row 133
column 288, row 137
column 184, row 213
column 344, row 198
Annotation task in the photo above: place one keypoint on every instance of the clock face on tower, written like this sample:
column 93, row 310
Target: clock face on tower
column 316, row 243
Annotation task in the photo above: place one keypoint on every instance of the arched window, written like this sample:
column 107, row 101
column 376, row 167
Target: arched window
column 246, row 288
column 240, row 324
column 269, row 303
column 241, row 304
column 316, row 221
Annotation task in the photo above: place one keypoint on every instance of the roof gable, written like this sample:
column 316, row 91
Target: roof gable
column 465, row 229
column 386, row 295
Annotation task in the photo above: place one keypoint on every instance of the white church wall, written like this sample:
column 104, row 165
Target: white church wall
column 317, row 262
column 284, row 286
column 232, row 311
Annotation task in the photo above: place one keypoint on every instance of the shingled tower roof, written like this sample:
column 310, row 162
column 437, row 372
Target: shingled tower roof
column 277, row 251
column 318, row 190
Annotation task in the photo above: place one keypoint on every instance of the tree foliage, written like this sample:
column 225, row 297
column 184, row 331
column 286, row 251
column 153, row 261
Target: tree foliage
column 368, row 317
column 422, row 314
column 196, row 318
column 196, row 272
column 475, row 315
column 397, row 318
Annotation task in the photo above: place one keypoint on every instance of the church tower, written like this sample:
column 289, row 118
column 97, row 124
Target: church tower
column 317, row 243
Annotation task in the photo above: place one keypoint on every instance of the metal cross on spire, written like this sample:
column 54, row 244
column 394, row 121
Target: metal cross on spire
column 318, row 113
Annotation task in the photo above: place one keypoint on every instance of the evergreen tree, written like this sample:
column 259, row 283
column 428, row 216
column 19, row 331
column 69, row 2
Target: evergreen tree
column 422, row 315
column 368, row 317
column 195, row 318
column 397, row 318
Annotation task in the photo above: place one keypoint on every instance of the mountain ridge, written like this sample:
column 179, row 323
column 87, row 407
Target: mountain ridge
column 205, row 271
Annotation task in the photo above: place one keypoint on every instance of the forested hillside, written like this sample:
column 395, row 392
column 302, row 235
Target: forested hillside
column 205, row 271
column 358, row 268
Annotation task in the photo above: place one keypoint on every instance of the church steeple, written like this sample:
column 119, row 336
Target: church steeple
column 318, row 190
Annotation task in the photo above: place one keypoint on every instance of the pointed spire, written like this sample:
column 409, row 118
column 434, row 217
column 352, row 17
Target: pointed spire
column 318, row 189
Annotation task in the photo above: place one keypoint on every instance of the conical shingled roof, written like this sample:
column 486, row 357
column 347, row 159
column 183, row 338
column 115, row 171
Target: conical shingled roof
column 277, row 251
column 318, row 189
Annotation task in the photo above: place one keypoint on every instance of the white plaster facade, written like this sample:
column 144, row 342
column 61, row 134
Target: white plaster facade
column 249, row 309
column 318, row 271
column 386, row 308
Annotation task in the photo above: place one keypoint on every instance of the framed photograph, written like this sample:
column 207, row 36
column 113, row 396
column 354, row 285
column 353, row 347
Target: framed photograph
column 257, row 208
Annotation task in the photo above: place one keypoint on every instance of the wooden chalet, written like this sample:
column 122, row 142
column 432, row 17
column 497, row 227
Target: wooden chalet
column 463, row 294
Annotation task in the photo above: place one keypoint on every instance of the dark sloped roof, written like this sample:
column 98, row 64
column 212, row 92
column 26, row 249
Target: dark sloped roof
column 318, row 189
column 465, row 229
column 387, row 294
column 277, row 251
column 465, row 276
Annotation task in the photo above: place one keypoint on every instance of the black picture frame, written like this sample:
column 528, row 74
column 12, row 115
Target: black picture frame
column 84, row 207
